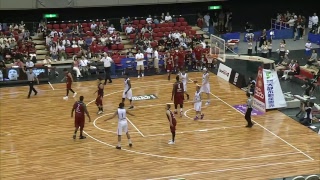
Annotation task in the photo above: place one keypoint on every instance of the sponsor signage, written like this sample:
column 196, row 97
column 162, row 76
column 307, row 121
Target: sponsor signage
column 237, row 79
column 144, row 97
column 259, row 95
column 224, row 72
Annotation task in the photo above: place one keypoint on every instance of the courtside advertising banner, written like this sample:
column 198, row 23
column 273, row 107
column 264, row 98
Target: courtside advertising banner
column 259, row 92
column 274, row 96
column 224, row 72
column 237, row 79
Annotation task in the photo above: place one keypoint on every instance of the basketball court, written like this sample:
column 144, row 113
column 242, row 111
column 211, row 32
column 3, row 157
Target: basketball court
column 36, row 136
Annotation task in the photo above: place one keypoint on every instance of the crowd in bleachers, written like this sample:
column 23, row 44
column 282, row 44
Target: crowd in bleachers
column 15, row 43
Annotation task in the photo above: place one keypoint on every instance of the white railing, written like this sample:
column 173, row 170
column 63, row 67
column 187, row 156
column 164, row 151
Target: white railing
column 275, row 24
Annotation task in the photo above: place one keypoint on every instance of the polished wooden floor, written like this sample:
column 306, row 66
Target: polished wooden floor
column 36, row 137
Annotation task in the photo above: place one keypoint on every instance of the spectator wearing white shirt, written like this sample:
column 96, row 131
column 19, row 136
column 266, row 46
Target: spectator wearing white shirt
column 315, row 19
column 149, row 19
column 111, row 29
column 54, row 52
column 308, row 47
column 62, row 52
column 129, row 29
column 140, row 66
column 60, row 33
column 107, row 64
column 156, row 60
column 29, row 63
column 207, row 19
column 168, row 18
column 47, row 62
column 93, row 26
column 149, row 52
column 76, row 66
column 53, row 33
column 84, row 65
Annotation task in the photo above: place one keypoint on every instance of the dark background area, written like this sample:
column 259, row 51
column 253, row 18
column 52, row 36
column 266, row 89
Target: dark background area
column 258, row 13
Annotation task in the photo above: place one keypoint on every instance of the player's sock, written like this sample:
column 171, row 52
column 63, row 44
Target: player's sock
column 130, row 142
column 119, row 144
column 101, row 108
column 67, row 93
column 173, row 136
column 72, row 91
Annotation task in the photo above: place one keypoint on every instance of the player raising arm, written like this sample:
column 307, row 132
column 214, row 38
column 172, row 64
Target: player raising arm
column 122, row 124
column 80, row 109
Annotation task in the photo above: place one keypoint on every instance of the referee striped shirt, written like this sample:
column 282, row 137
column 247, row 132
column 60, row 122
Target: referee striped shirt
column 31, row 76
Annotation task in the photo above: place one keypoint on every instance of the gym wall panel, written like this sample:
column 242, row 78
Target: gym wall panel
column 55, row 3
column 17, row 4
column 137, row 2
column 95, row 3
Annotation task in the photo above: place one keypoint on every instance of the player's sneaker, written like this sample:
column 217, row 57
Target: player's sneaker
column 171, row 142
column 131, row 107
column 138, row 76
column 99, row 112
column 130, row 144
column 196, row 118
column 202, row 115
column 74, row 136
column 82, row 137
column 181, row 114
column 75, row 94
column 142, row 74
column 207, row 103
column 65, row 98
column 118, row 147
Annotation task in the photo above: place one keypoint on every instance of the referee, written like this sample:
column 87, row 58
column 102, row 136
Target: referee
column 249, row 110
column 31, row 78
column 107, row 64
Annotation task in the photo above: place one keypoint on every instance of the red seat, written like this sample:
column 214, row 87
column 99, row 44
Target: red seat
column 157, row 38
column 76, row 50
column 156, row 30
column 165, row 24
column 168, row 29
column 132, row 36
column 193, row 32
column 154, row 44
column 136, row 22
column 84, row 25
column 171, row 24
column 184, row 24
column 181, row 19
column 140, row 26
column 56, row 26
column 104, row 31
column 89, row 33
column 167, row 34
column 114, row 47
column 70, row 25
column 120, row 46
column 160, row 34
column 86, row 29
column 176, row 28
column 49, row 26
column 124, row 27
column 178, row 24
column 147, row 35
column 63, row 26
column 153, row 26
column 163, row 29
column 182, row 28
column 188, row 27
column 142, row 21
column 159, row 25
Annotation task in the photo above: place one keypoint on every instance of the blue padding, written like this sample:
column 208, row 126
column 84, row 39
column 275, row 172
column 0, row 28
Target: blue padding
column 229, row 36
column 113, row 69
column 314, row 38
column 257, row 34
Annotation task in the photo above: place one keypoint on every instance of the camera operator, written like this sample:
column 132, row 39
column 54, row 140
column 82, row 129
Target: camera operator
column 310, row 84
column 307, row 119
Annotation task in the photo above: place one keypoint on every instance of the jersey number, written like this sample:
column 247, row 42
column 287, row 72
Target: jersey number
column 78, row 109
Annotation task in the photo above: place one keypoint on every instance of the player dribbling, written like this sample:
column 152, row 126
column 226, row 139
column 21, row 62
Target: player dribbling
column 172, row 122
column 197, row 103
column 178, row 95
column 205, row 87
column 127, row 92
column 99, row 98
column 122, row 124
column 184, row 78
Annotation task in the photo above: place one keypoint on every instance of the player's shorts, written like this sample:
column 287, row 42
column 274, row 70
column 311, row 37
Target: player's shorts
column 156, row 63
column 122, row 127
column 99, row 101
column 79, row 122
column 180, row 64
column 169, row 68
column 185, row 87
column 68, row 85
column 140, row 67
column 173, row 128
column 128, row 95
column 205, row 88
column 197, row 106
column 178, row 99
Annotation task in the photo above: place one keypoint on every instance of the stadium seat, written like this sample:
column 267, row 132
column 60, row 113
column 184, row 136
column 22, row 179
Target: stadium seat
column 63, row 26
column 178, row 24
column 132, row 36
column 160, row 34
column 70, row 25
column 147, row 35
column 163, row 29
column 171, row 24
column 114, row 47
column 154, row 44
column 176, row 28
column 182, row 28
column 165, row 24
column 166, row 34
column 184, row 24
column 156, row 30
column 76, row 50
column 153, row 26
column 140, row 26
column 181, row 19
column 84, row 25
column 143, row 22
column 56, row 26
column 193, row 32
column 157, row 38
column 49, row 26
column 159, row 25
column 188, row 27
column 168, row 29
column 86, row 29
column 89, row 33
column 136, row 22
column 120, row 46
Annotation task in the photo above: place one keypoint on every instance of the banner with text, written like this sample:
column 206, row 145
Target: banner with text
column 224, row 72
column 274, row 95
column 237, row 79
column 259, row 92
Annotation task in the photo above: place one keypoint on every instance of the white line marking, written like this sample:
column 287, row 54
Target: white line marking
column 135, row 127
column 264, row 128
column 230, row 169
column 216, row 120
column 50, row 85
column 194, row 131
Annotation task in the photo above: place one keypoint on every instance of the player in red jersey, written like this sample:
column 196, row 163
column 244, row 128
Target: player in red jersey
column 100, row 96
column 169, row 64
column 178, row 95
column 80, row 109
column 172, row 123
column 198, row 56
column 181, row 58
column 69, row 80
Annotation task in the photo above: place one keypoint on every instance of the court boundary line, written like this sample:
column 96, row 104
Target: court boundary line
column 50, row 85
column 286, row 142
column 205, row 120
column 229, row 169
column 135, row 127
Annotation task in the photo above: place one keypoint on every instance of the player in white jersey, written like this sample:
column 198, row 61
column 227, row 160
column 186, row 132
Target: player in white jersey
column 122, row 124
column 184, row 78
column 205, row 87
column 197, row 103
column 127, row 92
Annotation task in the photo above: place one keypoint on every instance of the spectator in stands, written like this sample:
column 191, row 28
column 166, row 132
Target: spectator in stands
column 80, row 42
column 93, row 26
column 129, row 29
column 97, row 32
column 84, row 65
column 168, row 18
column 88, row 41
column 221, row 21
column 306, row 120
column 308, row 47
column 207, row 19
column 140, row 66
column 149, row 19
column 62, row 52
column 130, row 54
column 111, row 29
column 54, row 52
column 18, row 63
column 76, row 66
column 313, row 59
column 295, row 70
column 290, row 68
column 200, row 21
column 122, row 23
column 129, row 20
column 29, row 63
column 156, row 20
column 47, row 62
column 315, row 19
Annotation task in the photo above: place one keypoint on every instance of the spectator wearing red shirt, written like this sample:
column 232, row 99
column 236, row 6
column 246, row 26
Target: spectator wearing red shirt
column 19, row 63
column 181, row 58
column 198, row 51
column 200, row 22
